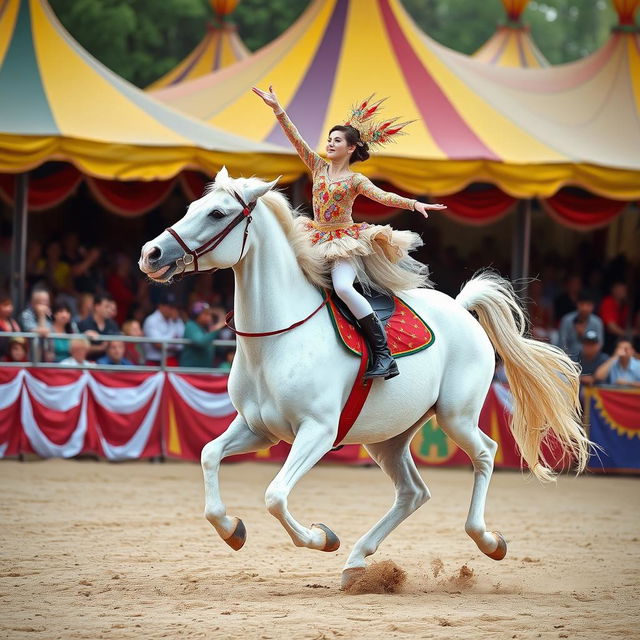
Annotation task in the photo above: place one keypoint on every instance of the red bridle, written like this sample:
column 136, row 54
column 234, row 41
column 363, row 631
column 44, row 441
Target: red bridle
column 191, row 256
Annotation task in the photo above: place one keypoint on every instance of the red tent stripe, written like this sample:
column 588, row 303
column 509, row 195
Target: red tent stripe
column 449, row 130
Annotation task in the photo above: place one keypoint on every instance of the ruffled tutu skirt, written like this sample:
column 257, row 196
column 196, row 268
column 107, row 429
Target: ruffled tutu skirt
column 379, row 253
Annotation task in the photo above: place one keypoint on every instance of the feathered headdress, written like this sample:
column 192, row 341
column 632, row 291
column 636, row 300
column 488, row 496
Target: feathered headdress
column 374, row 132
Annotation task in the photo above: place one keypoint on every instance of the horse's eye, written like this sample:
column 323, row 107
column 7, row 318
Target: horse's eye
column 217, row 214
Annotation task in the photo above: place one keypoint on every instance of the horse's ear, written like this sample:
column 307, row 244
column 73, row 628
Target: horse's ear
column 223, row 175
column 256, row 191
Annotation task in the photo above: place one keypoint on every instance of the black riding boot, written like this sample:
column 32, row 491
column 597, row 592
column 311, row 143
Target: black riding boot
column 381, row 363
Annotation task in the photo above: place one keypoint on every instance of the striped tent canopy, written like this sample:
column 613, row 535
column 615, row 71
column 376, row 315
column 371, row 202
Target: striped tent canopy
column 220, row 47
column 529, row 132
column 512, row 45
column 59, row 103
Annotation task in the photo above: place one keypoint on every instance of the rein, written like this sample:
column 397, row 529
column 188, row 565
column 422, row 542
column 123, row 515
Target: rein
column 246, row 334
column 191, row 257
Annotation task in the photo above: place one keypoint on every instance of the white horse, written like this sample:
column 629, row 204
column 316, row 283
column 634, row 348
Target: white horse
column 293, row 385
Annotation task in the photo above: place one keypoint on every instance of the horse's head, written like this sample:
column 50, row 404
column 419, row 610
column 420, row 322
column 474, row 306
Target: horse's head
column 213, row 234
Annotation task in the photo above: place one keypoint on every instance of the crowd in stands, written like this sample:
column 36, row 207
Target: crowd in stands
column 74, row 290
column 587, row 309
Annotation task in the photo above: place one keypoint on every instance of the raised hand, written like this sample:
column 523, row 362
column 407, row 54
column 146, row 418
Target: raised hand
column 269, row 97
column 423, row 208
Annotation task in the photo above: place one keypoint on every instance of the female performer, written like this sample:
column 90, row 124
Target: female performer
column 376, row 255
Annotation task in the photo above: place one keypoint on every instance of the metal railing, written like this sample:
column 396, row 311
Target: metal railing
column 37, row 342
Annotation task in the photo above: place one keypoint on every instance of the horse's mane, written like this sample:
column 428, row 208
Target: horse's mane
column 313, row 267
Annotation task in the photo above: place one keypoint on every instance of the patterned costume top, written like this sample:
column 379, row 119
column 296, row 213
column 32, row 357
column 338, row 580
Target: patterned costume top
column 333, row 199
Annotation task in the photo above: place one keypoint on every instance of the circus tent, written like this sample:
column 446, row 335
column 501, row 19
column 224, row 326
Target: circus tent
column 57, row 102
column 220, row 47
column 529, row 133
column 512, row 45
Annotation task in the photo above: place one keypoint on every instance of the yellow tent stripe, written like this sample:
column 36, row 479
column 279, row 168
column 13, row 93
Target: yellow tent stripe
column 633, row 56
column 8, row 15
column 286, row 76
column 71, row 92
column 353, row 81
column 509, row 141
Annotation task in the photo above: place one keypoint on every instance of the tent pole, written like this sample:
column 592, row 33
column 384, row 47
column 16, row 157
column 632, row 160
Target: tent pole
column 19, row 242
column 521, row 247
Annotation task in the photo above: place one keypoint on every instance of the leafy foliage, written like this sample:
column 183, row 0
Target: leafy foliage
column 143, row 39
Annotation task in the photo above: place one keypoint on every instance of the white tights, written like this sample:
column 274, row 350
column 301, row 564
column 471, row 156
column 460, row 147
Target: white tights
column 343, row 276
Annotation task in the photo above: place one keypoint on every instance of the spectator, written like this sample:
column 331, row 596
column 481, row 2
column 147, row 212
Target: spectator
column 37, row 317
column 17, row 351
column 79, row 349
column 614, row 312
column 591, row 356
column 82, row 263
column 575, row 324
column 202, row 329
column 85, row 306
column 7, row 322
column 225, row 365
column 115, row 354
column 567, row 301
column 100, row 323
column 133, row 351
column 54, row 269
column 34, row 255
column 121, row 286
column 62, row 323
column 622, row 368
column 164, row 323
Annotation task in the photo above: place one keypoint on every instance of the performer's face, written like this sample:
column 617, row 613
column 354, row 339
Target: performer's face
column 337, row 147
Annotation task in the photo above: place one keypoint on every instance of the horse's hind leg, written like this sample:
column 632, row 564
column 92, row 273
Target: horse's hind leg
column 238, row 438
column 394, row 458
column 463, row 430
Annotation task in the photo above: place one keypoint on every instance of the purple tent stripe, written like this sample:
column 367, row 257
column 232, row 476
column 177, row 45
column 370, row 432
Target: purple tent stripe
column 218, row 56
column 308, row 107
column 185, row 72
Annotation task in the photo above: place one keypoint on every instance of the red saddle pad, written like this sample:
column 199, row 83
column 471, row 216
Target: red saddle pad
column 407, row 332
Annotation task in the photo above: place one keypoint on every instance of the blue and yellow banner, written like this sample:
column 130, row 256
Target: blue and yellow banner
column 614, row 419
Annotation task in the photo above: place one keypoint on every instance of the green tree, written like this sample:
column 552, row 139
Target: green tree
column 143, row 39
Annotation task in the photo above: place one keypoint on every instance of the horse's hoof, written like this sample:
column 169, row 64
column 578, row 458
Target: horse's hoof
column 349, row 576
column 239, row 536
column 332, row 542
column 501, row 549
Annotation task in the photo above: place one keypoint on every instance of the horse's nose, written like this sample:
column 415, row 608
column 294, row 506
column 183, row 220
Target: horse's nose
column 151, row 254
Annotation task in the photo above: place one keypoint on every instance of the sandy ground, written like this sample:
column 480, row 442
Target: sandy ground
column 97, row 550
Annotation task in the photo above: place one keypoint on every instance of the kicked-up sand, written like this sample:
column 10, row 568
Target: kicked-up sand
column 98, row 550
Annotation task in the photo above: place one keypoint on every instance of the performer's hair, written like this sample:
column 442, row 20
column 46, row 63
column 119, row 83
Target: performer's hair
column 352, row 135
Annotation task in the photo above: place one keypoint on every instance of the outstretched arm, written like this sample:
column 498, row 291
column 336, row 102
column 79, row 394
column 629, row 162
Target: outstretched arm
column 306, row 153
column 368, row 189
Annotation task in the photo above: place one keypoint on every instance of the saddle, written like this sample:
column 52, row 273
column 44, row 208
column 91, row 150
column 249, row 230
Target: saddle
column 407, row 332
column 384, row 305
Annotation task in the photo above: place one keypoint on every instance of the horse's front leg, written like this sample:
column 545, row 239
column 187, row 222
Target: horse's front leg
column 238, row 438
column 312, row 441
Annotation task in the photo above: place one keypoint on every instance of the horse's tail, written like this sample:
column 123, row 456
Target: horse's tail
column 543, row 379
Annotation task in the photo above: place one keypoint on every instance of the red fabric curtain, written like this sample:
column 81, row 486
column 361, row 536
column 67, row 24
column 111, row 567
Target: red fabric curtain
column 478, row 204
column 129, row 199
column 49, row 185
column 581, row 210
